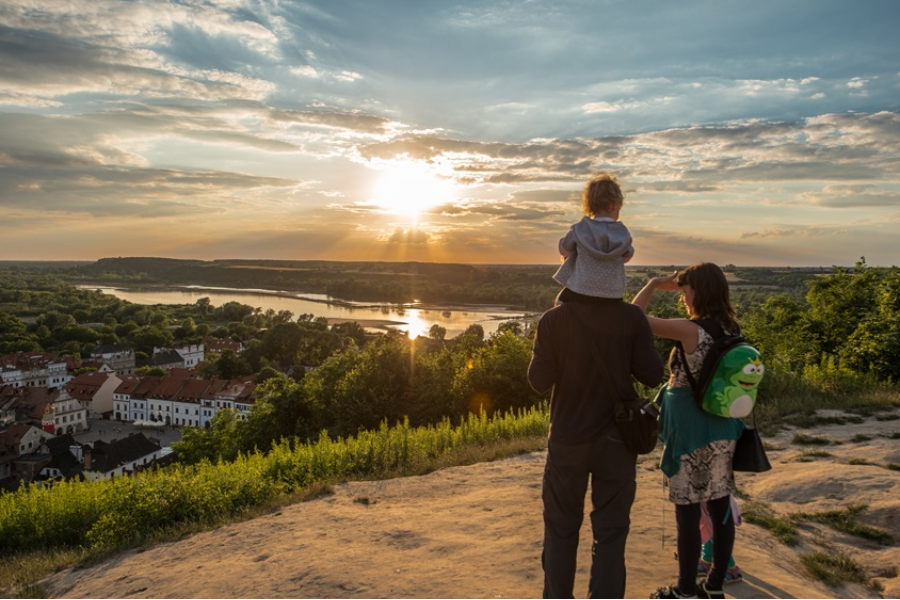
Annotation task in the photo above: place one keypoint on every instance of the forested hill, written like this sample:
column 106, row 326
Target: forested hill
column 529, row 287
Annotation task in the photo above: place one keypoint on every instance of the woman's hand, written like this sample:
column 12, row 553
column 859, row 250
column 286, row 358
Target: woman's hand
column 642, row 298
column 666, row 283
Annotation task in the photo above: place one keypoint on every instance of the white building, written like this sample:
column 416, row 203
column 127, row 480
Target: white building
column 181, row 401
column 119, row 357
column 191, row 356
column 120, row 457
column 33, row 369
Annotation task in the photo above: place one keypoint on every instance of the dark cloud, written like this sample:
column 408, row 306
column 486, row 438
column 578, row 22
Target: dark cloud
column 409, row 236
column 46, row 64
column 853, row 200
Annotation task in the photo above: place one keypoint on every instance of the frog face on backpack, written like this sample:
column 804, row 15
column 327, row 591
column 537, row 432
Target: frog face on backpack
column 744, row 369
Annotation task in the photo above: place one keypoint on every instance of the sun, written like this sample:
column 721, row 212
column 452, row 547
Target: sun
column 407, row 188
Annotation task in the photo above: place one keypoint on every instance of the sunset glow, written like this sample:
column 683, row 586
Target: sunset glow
column 407, row 189
column 411, row 131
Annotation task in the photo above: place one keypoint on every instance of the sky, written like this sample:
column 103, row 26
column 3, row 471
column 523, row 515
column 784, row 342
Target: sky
column 762, row 133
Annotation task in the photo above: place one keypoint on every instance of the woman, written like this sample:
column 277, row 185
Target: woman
column 698, row 447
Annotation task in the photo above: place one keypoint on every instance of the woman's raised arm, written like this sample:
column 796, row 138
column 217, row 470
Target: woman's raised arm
column 682, row 330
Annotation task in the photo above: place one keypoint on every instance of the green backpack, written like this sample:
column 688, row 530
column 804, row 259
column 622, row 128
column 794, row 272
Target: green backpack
column 730, row 375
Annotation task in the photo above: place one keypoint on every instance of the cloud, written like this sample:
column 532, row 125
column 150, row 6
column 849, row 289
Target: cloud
column 408, row 236
column 347, row 76
column 792, row 232
column 46, row 65
column 78, row 170
column 691, row 159
column 852, row 196
column 305, row 71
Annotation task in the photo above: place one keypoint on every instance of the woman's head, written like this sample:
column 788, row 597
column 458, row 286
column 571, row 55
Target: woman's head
column 601, row 195
column 707, row 296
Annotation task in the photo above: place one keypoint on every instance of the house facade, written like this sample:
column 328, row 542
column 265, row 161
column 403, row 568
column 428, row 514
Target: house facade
column 181, row 401
column 118, row 357
column 33, row 369
column 95, row 391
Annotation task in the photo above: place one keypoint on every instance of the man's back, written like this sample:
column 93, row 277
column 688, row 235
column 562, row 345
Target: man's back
column 581, row 404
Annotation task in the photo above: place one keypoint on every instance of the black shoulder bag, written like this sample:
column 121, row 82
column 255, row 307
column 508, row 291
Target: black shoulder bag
column 749, row 454
column 636, row 418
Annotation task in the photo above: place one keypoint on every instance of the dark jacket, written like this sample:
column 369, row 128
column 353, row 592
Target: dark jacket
column 581, row 404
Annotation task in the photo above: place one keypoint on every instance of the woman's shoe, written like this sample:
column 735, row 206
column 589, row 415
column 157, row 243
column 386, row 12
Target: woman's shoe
column 705, row 592
column 670, row 592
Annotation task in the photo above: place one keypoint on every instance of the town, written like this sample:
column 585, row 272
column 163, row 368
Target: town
column 65, row 418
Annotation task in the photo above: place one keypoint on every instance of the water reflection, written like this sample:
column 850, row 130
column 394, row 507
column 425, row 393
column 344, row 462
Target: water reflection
column 373, row 316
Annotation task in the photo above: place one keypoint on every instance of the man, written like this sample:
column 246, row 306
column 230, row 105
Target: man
column 584, row 441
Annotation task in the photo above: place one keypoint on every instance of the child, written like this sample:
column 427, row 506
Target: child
column 597, row 247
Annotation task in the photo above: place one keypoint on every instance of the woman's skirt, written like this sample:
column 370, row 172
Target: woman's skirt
column 705, row 474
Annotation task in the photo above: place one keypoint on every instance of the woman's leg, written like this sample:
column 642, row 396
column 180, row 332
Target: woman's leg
column 687, row 519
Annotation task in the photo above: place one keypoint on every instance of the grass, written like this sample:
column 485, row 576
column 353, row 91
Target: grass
column 44, row 529
column 859, row 461
column 833, row 568
column 810, row 440
column 861, row 437
column 794, row 399
column 810, row 455
column 845, row 521
column 760, row 513
column 785, row 527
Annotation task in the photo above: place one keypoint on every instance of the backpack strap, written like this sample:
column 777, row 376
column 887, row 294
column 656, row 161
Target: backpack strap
column 712, row 327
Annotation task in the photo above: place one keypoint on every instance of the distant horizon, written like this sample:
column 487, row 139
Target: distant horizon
column 763, row 133
column 628, row 266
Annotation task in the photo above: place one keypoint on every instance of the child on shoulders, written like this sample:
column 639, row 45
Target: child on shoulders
column 596, row 248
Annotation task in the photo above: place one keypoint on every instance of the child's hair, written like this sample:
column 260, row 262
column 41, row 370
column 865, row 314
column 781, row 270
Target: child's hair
column 601, row 194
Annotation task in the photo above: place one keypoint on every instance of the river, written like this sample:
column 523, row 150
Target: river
column 415, row 320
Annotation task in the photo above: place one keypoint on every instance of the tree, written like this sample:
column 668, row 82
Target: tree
column 437, row 332
column 267, row 373
column 495, row 377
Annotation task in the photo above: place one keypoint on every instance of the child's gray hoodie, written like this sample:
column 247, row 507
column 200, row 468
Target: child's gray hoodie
column 596, row 251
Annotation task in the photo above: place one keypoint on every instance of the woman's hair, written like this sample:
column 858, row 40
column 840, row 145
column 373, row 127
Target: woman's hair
column 711, row 298
column 601, row 194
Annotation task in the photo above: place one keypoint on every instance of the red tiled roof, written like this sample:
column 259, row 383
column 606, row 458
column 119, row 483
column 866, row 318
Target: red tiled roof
column 146, row 386
column 192, row 390
column 128, row 385
column 28, row 361
column 86, row 385
column 168, row 387
column 183, row 372
column 12, row 435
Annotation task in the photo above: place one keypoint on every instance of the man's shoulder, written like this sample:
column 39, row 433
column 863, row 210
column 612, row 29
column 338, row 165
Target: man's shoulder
column 604, row 306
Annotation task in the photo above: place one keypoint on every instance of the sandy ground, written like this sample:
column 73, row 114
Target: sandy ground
column 475, row 532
